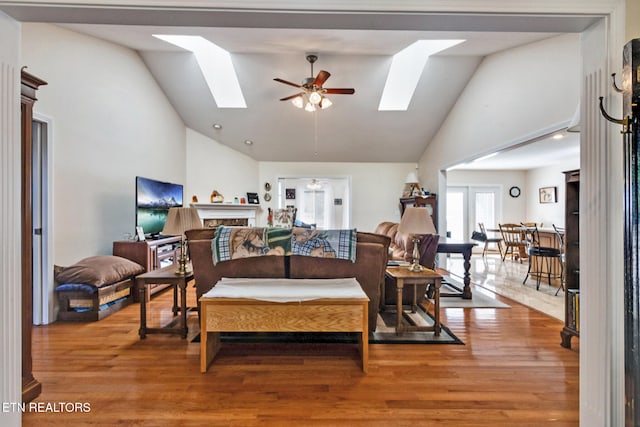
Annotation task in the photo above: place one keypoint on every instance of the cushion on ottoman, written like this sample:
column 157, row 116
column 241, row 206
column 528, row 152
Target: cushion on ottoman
column 98, row 270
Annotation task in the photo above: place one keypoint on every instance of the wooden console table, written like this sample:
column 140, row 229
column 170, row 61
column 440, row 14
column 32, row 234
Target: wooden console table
column 459, row 247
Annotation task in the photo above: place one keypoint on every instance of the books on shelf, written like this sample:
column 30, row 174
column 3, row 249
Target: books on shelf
column 573, row 309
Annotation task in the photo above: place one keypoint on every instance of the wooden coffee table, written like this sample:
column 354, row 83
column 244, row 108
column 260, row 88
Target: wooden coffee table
column 402, row 276
column 221, row 314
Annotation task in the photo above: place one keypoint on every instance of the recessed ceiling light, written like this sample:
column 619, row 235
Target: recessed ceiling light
column 248, row 142
column 558, row 136
column 216, row 66
column 406, row 68
column 217, row 126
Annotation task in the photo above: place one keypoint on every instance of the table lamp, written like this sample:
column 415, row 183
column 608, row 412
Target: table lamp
column 179, row 220
column 416, row 221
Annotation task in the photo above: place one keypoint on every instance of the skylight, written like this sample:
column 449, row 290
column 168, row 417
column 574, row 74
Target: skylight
column 216, row 66
column 406, row 68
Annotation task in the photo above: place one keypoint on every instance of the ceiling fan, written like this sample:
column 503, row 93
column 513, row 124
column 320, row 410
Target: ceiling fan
column 313, row 93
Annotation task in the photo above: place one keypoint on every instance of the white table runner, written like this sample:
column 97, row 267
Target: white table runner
column 286, row 290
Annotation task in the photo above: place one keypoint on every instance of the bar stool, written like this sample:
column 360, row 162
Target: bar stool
column 539, row 255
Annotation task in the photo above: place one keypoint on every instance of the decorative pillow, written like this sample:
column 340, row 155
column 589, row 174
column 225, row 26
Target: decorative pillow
column 325, row 243
column 98, row 270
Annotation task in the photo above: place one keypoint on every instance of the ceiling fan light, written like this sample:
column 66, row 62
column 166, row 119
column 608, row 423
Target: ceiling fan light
column 297, row 101
column 315, row 98
column 325, row 103
column 310, row 107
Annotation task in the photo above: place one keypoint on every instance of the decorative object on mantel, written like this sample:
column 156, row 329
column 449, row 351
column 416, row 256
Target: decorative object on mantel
column 180, row 220
column 216, row 197
column 252, row 198
column 194, row 199
column 416, row 221
column 313, row 96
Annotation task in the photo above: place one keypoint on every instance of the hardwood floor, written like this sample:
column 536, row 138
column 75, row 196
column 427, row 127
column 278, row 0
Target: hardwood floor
column 511, row 371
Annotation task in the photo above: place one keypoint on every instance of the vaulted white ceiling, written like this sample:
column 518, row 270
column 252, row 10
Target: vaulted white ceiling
column 356, row 48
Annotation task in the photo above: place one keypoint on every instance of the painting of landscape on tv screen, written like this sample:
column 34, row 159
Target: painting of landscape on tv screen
column 153, row 200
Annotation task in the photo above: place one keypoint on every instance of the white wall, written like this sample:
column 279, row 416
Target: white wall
column 551, row 176
column 514, row 96
column 111, row 122
column 214, row 166
column 376, row 188
column 513, row 209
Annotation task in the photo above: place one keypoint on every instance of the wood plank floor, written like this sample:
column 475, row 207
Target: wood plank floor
column 511, row 371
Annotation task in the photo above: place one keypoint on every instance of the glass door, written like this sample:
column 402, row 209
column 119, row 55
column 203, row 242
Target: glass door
column 469, row 205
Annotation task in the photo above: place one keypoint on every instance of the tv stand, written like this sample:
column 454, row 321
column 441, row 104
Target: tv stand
column 151, row 254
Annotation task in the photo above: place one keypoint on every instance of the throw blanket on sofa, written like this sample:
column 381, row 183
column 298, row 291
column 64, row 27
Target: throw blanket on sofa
column 241, row 242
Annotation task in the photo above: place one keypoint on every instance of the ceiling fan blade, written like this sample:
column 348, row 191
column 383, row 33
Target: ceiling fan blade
column 336, row 91
column 321, row 78
column 288, row 83
column 292, row 96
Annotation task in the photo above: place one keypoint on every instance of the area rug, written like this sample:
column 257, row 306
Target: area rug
column 385, row 334
column 480, row 298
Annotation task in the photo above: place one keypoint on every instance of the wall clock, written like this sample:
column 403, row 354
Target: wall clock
column 514, row 191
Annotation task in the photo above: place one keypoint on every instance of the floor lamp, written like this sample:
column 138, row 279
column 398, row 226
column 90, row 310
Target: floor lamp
column 178, row 222
column 416, row 221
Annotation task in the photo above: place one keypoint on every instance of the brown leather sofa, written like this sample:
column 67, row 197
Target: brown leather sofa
column 401, row 248
column 368, row 269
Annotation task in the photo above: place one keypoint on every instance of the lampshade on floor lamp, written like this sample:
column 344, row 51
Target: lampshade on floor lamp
column 179, row 220
column 416, row 221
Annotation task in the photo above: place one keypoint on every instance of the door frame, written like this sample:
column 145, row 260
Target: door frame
column 44, row 307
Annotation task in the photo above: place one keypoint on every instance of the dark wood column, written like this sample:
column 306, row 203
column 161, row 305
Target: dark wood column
column 30, row 386
column 631, row 95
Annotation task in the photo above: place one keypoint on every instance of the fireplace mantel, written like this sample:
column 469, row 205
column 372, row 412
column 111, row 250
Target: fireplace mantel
column 227, row 211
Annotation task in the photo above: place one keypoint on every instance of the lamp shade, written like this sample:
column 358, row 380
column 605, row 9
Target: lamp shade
column 416, row 221
column 180, row 220
column 412, row 178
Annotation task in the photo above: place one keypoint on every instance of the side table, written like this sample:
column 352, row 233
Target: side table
column 168, row 276
column 402, row 276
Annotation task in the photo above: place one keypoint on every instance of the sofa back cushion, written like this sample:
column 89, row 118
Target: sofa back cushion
column 207, row 275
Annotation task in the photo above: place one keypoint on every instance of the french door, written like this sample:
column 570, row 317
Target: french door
column 469, row 205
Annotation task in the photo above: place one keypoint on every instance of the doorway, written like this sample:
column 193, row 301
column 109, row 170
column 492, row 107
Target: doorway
column 469, row 205
column 321, row 202
column 42, row 270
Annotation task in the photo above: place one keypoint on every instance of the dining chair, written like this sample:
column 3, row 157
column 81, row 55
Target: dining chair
column 488, row 240
column 560, row 231
column 538, row 256
column 512, row 237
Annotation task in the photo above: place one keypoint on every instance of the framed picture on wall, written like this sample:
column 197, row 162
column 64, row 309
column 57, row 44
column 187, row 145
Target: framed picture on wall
column 548, row 195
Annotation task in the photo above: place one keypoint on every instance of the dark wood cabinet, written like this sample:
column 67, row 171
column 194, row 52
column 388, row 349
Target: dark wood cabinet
column 151, row 254
column 430, row 202
column 31, row 388
column 572, row 259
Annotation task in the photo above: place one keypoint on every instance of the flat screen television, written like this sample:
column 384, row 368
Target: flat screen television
column 153, row 200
